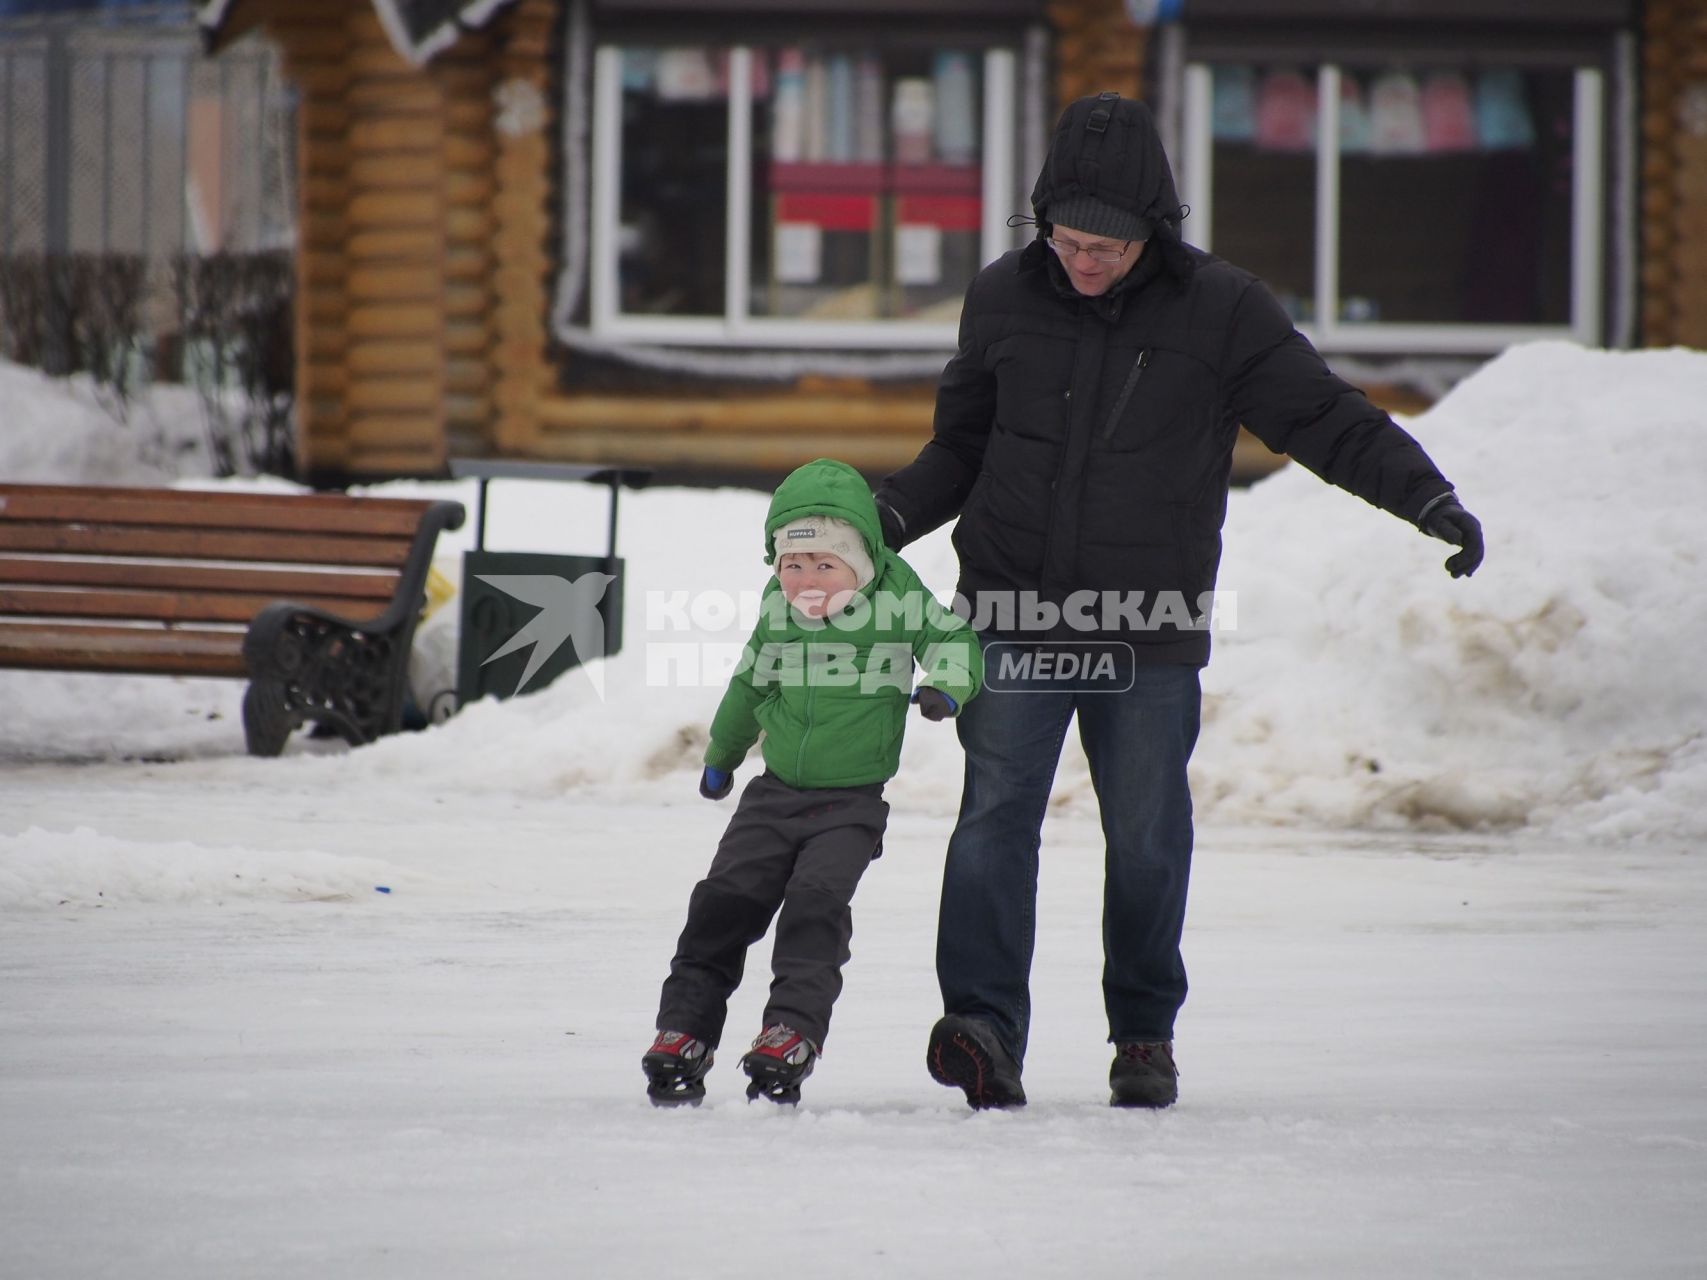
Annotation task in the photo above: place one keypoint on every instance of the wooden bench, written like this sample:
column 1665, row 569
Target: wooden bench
column 313, row 598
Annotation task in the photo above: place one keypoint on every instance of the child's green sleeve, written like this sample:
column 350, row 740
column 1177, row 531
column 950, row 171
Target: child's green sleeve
column 735, row 727
column 948, row 650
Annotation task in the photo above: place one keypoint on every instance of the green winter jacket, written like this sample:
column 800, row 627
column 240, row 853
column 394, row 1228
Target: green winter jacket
column 831, row 696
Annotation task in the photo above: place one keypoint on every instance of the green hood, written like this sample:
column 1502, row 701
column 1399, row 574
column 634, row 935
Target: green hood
column 825, row 487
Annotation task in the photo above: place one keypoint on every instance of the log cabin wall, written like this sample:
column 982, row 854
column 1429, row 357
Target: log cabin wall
column 394, row 265
column 1674, row 173
column 1097, row 48
column 526, row 37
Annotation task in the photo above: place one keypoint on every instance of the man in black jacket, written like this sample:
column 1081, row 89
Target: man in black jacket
column 1084, row 436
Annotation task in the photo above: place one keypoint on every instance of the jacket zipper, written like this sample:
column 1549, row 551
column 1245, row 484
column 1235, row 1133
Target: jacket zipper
column 1138, row 366
column 806, row 728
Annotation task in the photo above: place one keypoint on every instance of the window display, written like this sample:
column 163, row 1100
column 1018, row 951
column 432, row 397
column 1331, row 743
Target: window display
column 1453, row 190
column 861, row 175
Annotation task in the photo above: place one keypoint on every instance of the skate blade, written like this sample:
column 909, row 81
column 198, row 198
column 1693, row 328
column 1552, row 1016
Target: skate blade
column 667, row 1093
column 784, row 1095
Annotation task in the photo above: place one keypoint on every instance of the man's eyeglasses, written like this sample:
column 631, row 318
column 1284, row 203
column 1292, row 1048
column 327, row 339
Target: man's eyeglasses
column 1099, row 253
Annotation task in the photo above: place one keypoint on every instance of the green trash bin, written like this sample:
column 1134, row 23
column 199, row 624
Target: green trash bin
column 527, row 617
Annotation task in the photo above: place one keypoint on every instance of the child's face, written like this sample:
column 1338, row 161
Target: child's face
column 816, row 583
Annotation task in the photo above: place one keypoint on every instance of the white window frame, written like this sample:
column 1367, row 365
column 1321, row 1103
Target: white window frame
column 1331, row 333
column 737, row 327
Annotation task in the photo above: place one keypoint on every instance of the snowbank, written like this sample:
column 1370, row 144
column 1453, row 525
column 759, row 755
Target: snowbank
column 66, row 431
column 1559, row 685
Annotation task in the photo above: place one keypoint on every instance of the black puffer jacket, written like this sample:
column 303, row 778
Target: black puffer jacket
column 1057, row 492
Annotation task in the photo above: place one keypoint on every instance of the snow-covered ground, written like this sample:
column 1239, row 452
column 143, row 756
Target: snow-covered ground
column 378, row 1013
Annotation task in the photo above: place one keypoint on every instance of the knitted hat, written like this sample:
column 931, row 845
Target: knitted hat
column 827, row 533
column 1097, row 218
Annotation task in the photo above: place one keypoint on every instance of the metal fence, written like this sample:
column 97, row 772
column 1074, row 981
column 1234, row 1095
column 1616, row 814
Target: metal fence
column 119, row 136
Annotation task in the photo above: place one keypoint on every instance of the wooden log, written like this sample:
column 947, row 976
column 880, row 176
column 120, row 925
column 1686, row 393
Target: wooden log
column 381, row 244
column 379, row 62
column 466, row 410
column 464, row 376
column 464, row 300
column 392, row 321
column 387, row 464
column 387, row 394
column 394, row 171
column 324, row 307
column 318, row 270
column 804, row 415
column 394, row 209
column 394, row 133
column 416, row 96
column 465, row 263
column 379, row 356
column 326, row 80
column 467, row 113
column 466, row 339
column 468, row 151
column 472, row 81
column 463, row 187
column 369, row 431
column 697, row 451
column 406, row 283
column 465, row 223
column 320, row 361
column 319, row 116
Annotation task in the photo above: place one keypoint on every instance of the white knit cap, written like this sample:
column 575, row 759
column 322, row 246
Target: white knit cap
column 827, row 533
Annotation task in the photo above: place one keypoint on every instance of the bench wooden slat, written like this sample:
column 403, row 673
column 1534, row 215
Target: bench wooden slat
column 204, row 509
column 123, row 650
column 133, row 540
column 356, row 585
column 161, row 606
column 312, row 598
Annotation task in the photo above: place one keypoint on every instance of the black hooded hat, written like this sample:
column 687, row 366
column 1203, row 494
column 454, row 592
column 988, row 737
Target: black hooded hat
column 1107, row 174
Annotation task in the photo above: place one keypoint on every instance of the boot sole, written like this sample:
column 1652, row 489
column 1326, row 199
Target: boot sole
column 777, row 1081
column 956, row 1059
column 668, row 1085
column 1151, row 1096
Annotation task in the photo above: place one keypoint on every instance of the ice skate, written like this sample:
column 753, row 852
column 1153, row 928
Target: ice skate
column 778, row 1061
column 675, row 1068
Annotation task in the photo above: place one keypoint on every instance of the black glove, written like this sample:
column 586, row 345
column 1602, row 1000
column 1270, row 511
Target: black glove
column 934, row 704
column 1448, row 521
column 714, row 784
column 894, row 528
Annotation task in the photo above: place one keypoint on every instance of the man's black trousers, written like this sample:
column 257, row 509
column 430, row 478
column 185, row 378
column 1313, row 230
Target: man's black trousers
column 802, row 850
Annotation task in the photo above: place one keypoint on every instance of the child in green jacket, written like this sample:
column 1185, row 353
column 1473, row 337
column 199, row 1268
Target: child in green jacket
column 826, row 677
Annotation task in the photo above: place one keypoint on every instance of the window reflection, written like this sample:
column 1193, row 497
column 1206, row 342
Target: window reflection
column 1455, row 189
column 866, row 183
column 675, row 155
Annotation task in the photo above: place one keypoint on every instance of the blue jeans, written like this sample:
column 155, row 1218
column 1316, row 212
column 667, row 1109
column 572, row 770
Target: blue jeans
column 1137, row 743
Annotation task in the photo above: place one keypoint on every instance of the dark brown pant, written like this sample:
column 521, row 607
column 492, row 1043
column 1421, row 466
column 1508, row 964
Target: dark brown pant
column 803, row 851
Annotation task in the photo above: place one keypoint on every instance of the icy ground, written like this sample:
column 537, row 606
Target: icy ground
column 1404, row 1056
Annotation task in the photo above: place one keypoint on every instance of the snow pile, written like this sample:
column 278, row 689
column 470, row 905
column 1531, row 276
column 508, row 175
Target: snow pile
column 61, row 431
column 1560, row 684
column 82, row 868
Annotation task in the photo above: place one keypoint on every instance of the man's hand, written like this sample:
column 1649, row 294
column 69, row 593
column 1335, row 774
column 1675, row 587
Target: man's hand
column 1447, row 520
column 934, row 704
column 894, row 528
column 714, row 784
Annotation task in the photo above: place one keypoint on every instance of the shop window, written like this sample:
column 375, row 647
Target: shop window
column 801, row 195
column 1395, row 206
